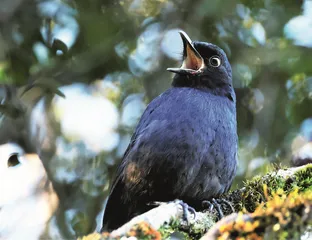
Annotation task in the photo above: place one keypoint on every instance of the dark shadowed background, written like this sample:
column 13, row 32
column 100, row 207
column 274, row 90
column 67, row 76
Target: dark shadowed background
column 79, row 74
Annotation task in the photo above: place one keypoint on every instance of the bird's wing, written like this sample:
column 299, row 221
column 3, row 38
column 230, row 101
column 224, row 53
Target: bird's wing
column 121, row 167
column 117, row 209
column 137, row 132
column 112, row 219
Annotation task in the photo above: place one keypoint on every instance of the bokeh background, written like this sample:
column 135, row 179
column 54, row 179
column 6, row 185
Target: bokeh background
column 76, row 76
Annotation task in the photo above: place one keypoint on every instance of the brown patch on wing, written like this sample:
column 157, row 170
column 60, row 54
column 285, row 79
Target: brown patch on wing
column 133, row 174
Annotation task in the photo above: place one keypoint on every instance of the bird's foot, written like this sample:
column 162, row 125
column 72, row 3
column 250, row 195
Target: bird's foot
column 186, row 211
column 213, row 204
column 217, row 204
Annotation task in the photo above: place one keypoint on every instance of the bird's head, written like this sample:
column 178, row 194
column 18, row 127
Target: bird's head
column 205, row 65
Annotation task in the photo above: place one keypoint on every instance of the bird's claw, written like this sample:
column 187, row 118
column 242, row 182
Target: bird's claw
column 186, row 211
column 226, row 202
column 217, row 204
column 213, row 204
column 206, row 204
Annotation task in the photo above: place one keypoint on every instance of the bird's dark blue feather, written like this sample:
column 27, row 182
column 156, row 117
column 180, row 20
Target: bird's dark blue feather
column 184, row 147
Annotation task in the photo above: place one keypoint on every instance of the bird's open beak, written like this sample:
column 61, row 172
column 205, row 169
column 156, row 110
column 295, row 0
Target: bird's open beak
column 193, row 63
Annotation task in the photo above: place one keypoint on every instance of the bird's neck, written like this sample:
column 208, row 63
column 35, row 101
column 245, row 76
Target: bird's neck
column 219, row 89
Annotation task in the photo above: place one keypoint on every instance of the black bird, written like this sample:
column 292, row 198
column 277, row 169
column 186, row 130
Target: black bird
column 185, row 144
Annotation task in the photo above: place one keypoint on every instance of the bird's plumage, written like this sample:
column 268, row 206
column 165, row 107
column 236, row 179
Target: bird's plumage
column 184, row 146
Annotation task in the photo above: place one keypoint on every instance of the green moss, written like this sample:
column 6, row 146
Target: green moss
column 253, row 193
column 195, row 231
column 303, row 179
column 283, row 216
column 175, row 226
column 167, row 229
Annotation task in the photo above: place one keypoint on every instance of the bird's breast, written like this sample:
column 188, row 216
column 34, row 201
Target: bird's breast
column 186, row 141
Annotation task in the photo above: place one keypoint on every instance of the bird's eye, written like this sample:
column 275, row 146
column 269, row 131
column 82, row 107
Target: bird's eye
column 215, row 61
column 13, row 160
